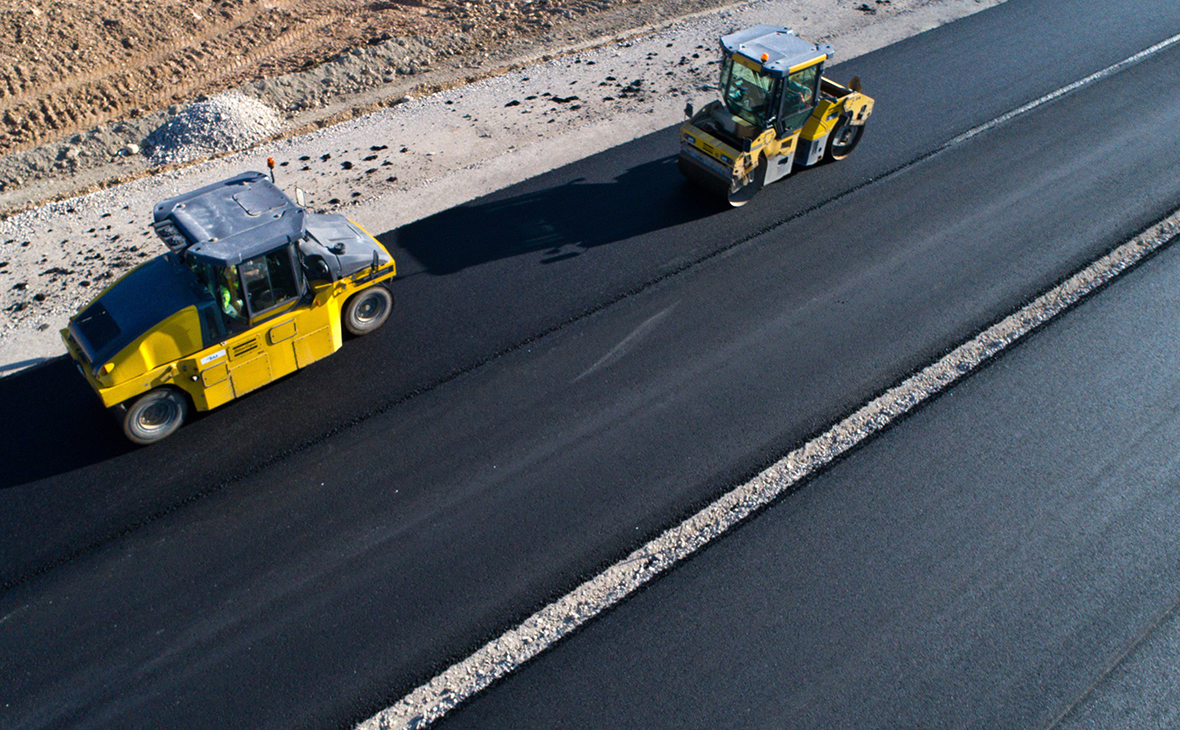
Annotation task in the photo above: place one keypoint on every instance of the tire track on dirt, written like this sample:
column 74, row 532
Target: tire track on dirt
column 66, row 107
column 11, row 96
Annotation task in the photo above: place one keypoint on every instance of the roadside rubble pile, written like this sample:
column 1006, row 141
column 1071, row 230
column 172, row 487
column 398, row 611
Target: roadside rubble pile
column 213, row 126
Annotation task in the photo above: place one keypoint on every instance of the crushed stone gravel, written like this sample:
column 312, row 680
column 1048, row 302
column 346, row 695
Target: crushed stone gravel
column 222, row 123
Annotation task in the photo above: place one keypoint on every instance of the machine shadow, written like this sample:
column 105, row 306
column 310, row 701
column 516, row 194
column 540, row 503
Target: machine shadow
column 51, row 423
column 559, row 222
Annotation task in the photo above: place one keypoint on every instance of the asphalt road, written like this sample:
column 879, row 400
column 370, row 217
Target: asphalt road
column 1006, row 557
column 575, row 363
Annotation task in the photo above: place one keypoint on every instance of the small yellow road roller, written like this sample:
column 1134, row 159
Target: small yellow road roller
column 776, row 113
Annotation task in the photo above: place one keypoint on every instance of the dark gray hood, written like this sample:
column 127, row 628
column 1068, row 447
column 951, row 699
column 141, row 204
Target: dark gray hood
column 341, row 244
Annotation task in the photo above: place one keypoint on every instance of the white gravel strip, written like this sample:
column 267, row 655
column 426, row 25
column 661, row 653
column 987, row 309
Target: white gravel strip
column 505, row 654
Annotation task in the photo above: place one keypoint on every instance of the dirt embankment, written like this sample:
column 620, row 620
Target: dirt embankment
column 74, row 65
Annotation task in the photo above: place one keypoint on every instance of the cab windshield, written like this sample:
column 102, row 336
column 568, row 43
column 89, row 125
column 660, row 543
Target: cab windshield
column 269, row 280
column 747, row 93
column 262, row 286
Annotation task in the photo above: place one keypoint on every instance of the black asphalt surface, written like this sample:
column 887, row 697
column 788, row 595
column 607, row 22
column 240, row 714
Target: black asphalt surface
column 574, row 364
column 1006, row 557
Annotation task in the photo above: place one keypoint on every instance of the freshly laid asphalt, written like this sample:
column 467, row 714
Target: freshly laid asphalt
column 1006, row 557
column 576, row 363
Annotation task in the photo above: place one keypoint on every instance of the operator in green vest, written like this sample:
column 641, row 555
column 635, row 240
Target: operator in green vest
column 228, row 293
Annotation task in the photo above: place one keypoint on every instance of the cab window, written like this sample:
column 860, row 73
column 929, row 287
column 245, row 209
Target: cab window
column 799, row 97
column 747, row 93
column 269, row 280
column 223, row 285
column 229, row 297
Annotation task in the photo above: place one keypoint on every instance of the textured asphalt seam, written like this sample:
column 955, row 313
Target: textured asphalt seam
column 543, row 629
column 1118, row 662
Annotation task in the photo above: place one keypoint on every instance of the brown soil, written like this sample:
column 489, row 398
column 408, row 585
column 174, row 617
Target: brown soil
column 72, row 65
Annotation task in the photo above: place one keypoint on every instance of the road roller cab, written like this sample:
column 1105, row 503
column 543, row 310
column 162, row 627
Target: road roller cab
column 251, row 288
column 776, row 112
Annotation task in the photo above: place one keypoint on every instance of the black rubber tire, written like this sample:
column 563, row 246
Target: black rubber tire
column 367, row 310
column 155, row 415
column 739, row 196
column 844, row 138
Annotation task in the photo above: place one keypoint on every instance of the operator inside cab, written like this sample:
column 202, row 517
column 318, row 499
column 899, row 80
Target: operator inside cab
column 753, row 95
column 224, row 286
column 229, row 294
column 747, row 92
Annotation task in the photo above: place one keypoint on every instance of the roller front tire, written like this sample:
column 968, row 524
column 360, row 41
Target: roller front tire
column 740, row 194
column 367, row 310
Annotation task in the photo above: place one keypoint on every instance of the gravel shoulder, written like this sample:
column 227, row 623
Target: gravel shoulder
column 387, row 152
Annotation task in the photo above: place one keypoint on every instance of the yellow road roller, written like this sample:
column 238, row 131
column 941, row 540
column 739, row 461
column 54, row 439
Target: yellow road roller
column 252, row 287
column 776, row 112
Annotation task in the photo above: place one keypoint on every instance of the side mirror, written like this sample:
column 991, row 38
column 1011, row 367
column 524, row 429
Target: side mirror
column 688, row 110
column 300, row 198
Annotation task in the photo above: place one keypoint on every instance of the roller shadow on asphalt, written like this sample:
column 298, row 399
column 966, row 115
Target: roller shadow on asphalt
column 557, row 223
column 52, row 423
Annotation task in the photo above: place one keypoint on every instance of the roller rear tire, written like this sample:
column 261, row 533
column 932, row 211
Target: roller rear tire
column 155, row 415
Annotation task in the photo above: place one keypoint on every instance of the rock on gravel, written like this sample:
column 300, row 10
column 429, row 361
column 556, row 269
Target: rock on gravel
column 213, row 126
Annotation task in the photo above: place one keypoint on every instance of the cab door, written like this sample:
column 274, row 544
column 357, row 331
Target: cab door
column 797, row 102
column 240, row 364
column 267, row 289
column 799, row 98
column 274, row 290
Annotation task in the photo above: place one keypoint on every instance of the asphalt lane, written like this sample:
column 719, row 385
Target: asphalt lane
column 308, row 554
column 489, row 276
column 1007, row 556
